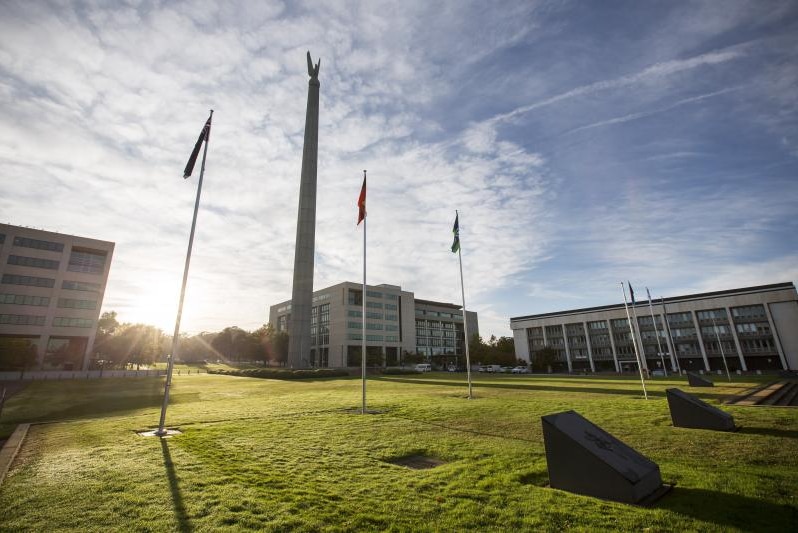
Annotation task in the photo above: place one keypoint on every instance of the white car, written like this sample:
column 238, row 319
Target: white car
column 423, row 367
column 520, row 370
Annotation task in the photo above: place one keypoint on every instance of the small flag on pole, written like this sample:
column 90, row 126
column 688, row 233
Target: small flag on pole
column 631, row 292
column 361, row 202
column 203, row 136
column 456, row 231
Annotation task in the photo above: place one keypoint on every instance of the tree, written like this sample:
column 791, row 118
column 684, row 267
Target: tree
column 543, row 359
column 17, row 354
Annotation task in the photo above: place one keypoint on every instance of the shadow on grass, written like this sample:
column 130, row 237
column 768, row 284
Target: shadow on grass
column 183, row 523
column 771, row 432
column 526, row 386
column 552, row 388
column 730, row 510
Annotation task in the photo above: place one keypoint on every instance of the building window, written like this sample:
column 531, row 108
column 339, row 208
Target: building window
column 354, row 314
column 80, row 286
column 2, row 238
column 355, row 336
column 72, row 322
column 373, row 314
column 374, row 305
column 390, row 296
column 22, row 320
column 70, row 303
column 355, row 297
column 20, row 299
column 678, row 318
column 374, row 294
column 391, row 307
column 86, row 260
column 370, row 325
column 282, row 323
column 750, row 311
column 391, row 317
column 34, row 262
column 391, row 327
column 31, row 281
column 38, row 245
column 712, row 314
column 391, row 338
column 374, row 338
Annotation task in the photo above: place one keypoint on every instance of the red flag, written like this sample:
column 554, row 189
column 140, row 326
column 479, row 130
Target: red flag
column 361, row 202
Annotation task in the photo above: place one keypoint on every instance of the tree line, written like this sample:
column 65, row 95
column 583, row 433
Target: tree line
column 120, row 345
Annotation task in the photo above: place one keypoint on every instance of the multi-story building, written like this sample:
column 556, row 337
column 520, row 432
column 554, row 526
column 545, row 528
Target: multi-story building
column 396, row 324
column 753, row 328
column 51, row 292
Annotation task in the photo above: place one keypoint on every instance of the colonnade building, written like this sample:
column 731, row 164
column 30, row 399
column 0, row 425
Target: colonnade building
column 396, row 323
column 753, row 328
column 51, row 292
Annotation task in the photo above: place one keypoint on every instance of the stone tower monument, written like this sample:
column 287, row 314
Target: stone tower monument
column 302, row 292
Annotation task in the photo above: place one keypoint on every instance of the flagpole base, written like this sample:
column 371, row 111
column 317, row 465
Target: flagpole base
column 167, row 432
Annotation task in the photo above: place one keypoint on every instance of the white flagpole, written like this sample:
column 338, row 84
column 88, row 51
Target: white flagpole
column 722, row 354
column 656, row 333
column 363, row 352
column 674, row 355
column 171, row 360
column 634, row 342
column 462, row 292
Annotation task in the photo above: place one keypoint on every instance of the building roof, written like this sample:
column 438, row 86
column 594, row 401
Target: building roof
column 438, row 304
column 672, row 299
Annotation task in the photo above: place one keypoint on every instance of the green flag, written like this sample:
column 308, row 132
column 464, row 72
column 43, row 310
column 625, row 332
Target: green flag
column 456, row 231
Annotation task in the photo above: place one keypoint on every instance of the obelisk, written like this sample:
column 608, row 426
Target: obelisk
column 302, row 291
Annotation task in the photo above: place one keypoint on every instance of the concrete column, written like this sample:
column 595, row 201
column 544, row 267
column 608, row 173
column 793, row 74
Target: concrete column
column 700, row 340
column 302, row 290
column 589, row 349
column 612, row 344
column 567, row 349
column 776, row 337
column 545, row 339
column 736, row 339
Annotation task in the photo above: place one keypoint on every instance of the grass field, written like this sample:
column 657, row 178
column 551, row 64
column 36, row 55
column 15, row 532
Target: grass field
column 276, row 455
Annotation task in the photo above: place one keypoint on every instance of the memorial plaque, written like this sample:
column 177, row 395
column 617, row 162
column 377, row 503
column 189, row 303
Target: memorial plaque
column 687, row 411
column 697, row 381
column 585, row 459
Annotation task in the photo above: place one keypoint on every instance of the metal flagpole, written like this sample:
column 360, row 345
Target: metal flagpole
column 722, row 354
column 656, row 333
column 171, row 359
column 462, row 292
column 674, row 355
column 636, row 332
column 363, row 354
column 634, row 342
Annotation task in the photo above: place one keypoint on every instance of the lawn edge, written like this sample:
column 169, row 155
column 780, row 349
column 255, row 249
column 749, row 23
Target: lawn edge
column 10, row 449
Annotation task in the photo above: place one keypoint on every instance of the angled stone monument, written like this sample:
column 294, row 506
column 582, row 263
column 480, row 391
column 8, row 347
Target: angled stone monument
column 697, row 381
column 687, row 411
column 302, row 290
column 585, row 459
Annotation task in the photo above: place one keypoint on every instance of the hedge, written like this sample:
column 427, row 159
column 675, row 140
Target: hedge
column 273, row 373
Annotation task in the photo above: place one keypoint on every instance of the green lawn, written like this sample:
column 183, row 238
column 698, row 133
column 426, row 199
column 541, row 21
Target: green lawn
column 292, row 455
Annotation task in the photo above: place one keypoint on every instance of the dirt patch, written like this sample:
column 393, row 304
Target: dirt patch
column 417, row 462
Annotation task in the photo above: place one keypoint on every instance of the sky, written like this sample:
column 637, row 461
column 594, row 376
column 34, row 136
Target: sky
column 583, row 143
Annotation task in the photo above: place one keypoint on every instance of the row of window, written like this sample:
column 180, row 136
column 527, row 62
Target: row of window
column 44, row 301
column 38, row 320
column 372, row 338
column 34, row 262
column 441, row 314
column 435, row 342
column 85, row 260
column 24, row 299
column 37, row 244
column 49, row 283
column 377, row 294
column 434, row 324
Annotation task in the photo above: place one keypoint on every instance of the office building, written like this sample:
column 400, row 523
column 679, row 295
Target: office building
column 51, row 292
column 397, row 323
column 753, row 328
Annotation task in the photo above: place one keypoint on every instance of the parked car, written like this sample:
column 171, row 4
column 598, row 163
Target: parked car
column 423, row 367
column 492, row 369
column 658, row 372
column 506, row 369
column 520, row 370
